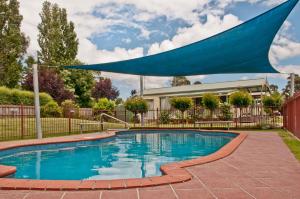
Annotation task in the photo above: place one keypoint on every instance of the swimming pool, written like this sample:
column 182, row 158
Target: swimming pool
column 132, row 154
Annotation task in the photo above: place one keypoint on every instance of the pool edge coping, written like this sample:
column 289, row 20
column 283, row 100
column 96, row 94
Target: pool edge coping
column 172, row 173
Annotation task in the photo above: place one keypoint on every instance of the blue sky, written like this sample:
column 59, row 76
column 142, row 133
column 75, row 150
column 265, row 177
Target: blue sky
column 111, row 30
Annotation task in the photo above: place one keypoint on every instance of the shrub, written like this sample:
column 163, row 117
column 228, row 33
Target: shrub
column 226, row 113
column 181, row 103
column 136, row 105
column 17, row 97
column 68, row 106
column 210, row 102
column 165, row 117
column 104, row 104
column 272, row 102
column 51, row 109
column 241, row 99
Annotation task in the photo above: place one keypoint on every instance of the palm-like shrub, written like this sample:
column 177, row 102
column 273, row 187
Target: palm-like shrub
column 272, row 102
column 241, row 99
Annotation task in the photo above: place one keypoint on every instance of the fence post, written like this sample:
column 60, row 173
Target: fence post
column 22, row 121
column 194, row 119
column 236, row 118
column 69, row 121
column 157, row 121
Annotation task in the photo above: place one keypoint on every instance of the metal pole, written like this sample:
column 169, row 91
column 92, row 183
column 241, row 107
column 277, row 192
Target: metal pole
column 141, row 94
column 37, row 102
column 292, row 84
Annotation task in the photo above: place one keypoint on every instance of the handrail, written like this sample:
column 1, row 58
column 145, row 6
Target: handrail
column 121, row 121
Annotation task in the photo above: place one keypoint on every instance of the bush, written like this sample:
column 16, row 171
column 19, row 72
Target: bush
column 68, row 106
column 18, row 97
column 241, row 99
column 51, row 110
column 165, row 117
column 272, row 102
column 136, row 105
column 181, row 103
column 104, row 104
column 210, row 102
column 226, row 113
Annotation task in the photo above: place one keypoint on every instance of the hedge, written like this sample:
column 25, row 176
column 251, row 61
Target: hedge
column 18, row 97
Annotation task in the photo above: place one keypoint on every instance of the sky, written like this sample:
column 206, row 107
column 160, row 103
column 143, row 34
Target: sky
column 114, row 30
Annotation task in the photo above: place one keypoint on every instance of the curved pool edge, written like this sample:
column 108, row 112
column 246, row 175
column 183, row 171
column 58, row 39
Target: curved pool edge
column 173, row 172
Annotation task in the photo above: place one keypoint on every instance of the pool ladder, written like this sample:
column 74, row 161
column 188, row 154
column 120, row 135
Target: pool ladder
column 127, row 125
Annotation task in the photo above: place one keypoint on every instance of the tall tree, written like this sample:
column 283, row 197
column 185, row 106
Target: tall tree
column 180, row 81
column 104, row 89
column 287, row 89
column 59, row 46
column 13, row 43
column 57, row 37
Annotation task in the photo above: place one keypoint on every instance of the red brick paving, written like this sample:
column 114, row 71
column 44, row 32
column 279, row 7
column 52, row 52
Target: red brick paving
column 262, row 167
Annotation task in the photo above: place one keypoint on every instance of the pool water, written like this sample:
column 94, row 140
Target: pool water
column 135, row 154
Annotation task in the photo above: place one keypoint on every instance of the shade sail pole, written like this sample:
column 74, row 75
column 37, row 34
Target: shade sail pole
column 292, row 84
column 38, row 126
column 142, row 94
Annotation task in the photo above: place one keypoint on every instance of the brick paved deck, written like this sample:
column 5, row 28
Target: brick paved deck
column 262, row 167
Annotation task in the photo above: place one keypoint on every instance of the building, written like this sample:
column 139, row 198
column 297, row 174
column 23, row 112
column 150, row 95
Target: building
column 158, row 98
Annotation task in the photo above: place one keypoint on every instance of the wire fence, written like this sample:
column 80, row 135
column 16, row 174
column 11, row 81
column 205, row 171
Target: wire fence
column 291, row 115
column 18, row 122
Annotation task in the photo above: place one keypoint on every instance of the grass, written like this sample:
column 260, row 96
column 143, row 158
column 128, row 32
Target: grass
column 291, row 141
column 11, row 128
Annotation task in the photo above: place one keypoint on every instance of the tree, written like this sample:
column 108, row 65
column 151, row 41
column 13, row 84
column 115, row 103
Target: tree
column 272, row 102
column 81, row 82
column 287, row 89
column 136, row 105
column 104, row 89
column 180, row 81
column 211, row 102
column 182, row 104
column 13, row 43
column 133, row 92
column 50, row 82
column 57, row 37
column 197, row 82
column 240, row 99
column 59, row 46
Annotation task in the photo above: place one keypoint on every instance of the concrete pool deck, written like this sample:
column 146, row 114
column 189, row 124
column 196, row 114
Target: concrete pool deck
column 261, row 167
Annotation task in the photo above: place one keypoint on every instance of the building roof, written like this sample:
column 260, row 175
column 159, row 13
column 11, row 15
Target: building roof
column 242, row 49
column 219, row 87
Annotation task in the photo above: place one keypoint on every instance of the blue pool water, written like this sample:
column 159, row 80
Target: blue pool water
column 134, row 154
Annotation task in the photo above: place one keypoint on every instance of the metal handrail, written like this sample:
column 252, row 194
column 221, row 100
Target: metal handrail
column 121, row 121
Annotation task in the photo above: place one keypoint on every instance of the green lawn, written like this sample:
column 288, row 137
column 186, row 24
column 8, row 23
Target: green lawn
column 10, row 128
column 292, row 142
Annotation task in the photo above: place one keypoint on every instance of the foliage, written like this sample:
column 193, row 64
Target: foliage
column 197, row 82
column 13, row 43
column 81, row 82
column 180, row 81
column 210, row 101
column 226, row 113
column 181, row 103
column 51, row 109
column 57, row 37
column 50, row 82
column 133, row 92
column 18, row 97
column 165, row 117
column 272, row 102
column 241, row 99
column 136, row 105
column 119, row 101
column 69, row 106
column 287, row 89
column 104, row 89
column 104, row 104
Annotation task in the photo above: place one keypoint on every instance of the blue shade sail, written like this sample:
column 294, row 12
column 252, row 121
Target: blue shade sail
column 242, row 49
